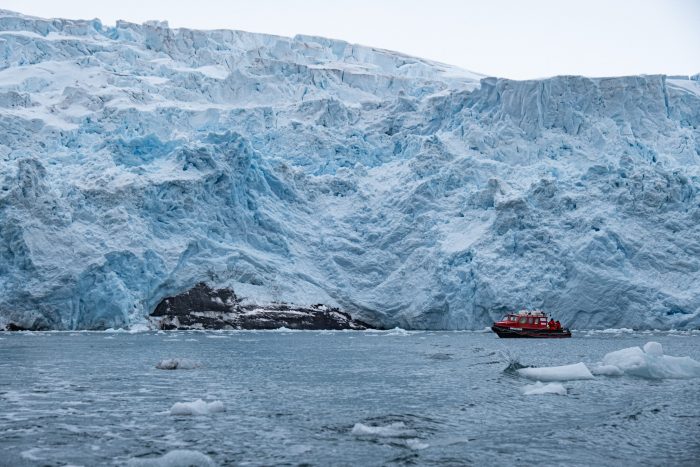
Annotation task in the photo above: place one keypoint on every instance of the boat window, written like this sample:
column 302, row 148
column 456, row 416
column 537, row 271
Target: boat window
column 523, row 319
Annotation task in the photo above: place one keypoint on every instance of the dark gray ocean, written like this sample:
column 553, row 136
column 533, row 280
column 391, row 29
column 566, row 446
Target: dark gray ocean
column 335, row 398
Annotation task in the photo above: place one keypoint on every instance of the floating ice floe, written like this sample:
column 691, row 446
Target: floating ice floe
column 416, row 444
column 606, row 370
column 649, row 362
column 198, row 407
column 557, row 373
column 397, row 332
column 177, row 458
column 614, row 331
column 539, row 388
column 393, row 430
column 177, row 364
column 139, row 327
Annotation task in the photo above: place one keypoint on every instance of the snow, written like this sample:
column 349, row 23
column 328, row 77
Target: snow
column 198, row 407
column 649, row 362
column 407, row 192
column 557, row 373
column 176, row 458
column 539, row 389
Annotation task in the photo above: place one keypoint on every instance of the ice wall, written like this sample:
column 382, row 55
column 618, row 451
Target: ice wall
column 138, row 160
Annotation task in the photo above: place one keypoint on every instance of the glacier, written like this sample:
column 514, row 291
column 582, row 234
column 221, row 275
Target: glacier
column 138, row 160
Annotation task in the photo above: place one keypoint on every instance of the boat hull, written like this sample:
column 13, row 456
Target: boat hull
column 505, row 332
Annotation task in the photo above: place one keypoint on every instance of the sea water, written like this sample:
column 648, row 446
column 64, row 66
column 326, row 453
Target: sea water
column 336, row 398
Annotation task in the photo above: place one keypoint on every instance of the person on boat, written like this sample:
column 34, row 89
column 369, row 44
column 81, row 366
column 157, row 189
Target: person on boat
column 551, row 324
column 558, row 324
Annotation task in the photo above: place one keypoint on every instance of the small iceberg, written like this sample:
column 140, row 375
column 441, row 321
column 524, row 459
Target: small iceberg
column 397, row 332
column 416, row 444
column 539, row 389
column 177, row 458
column 606, row 370
column 139, row 327
column 177, row 364
column 393, row 430
column 557, row 373
column 198, row 407
column 649, row 362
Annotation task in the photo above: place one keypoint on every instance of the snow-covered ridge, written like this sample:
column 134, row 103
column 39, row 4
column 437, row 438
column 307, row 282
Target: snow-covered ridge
column 138, row 160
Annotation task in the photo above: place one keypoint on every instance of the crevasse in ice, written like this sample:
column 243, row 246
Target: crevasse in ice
column 138, row 160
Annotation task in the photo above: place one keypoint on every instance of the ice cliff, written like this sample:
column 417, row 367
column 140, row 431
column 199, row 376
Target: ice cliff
column 137, row 161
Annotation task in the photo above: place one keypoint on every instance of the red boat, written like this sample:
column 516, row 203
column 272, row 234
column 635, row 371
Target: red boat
column 533, row 324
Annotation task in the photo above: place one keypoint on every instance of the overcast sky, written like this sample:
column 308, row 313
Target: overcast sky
column 509, row 38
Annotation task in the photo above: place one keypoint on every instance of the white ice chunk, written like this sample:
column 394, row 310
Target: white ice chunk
column 416, row 444
column 139, row 327
column 652, row 363
column 616, row 331
column 538, row 389
column 653, row 348
column 198, row 407
column 606, row 370
column 177, row 364
column 397, row 429
column 177, row 458
column 557, row 373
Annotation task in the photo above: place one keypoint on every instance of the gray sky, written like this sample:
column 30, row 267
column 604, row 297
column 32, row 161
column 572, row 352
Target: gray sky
column 508, row 38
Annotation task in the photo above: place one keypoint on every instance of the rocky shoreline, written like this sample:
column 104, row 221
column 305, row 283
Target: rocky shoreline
column 202, row 307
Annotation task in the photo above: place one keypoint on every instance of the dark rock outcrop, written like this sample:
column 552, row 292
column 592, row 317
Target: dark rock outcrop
column 202, row 307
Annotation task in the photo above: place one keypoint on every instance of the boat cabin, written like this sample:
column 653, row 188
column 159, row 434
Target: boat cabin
column 525, row 319
column 529, row 324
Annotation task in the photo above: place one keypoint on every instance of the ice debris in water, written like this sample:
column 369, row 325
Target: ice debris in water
column 177, row 364
column 416, row 444
column 649, row 362
column 606, row 370
column 177, row 458
column 139, row 327
column 198, row 407
column 393, row 430
column 540, row 388
column 557, row 373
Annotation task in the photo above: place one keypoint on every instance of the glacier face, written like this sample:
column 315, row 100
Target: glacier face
column 138, row 160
